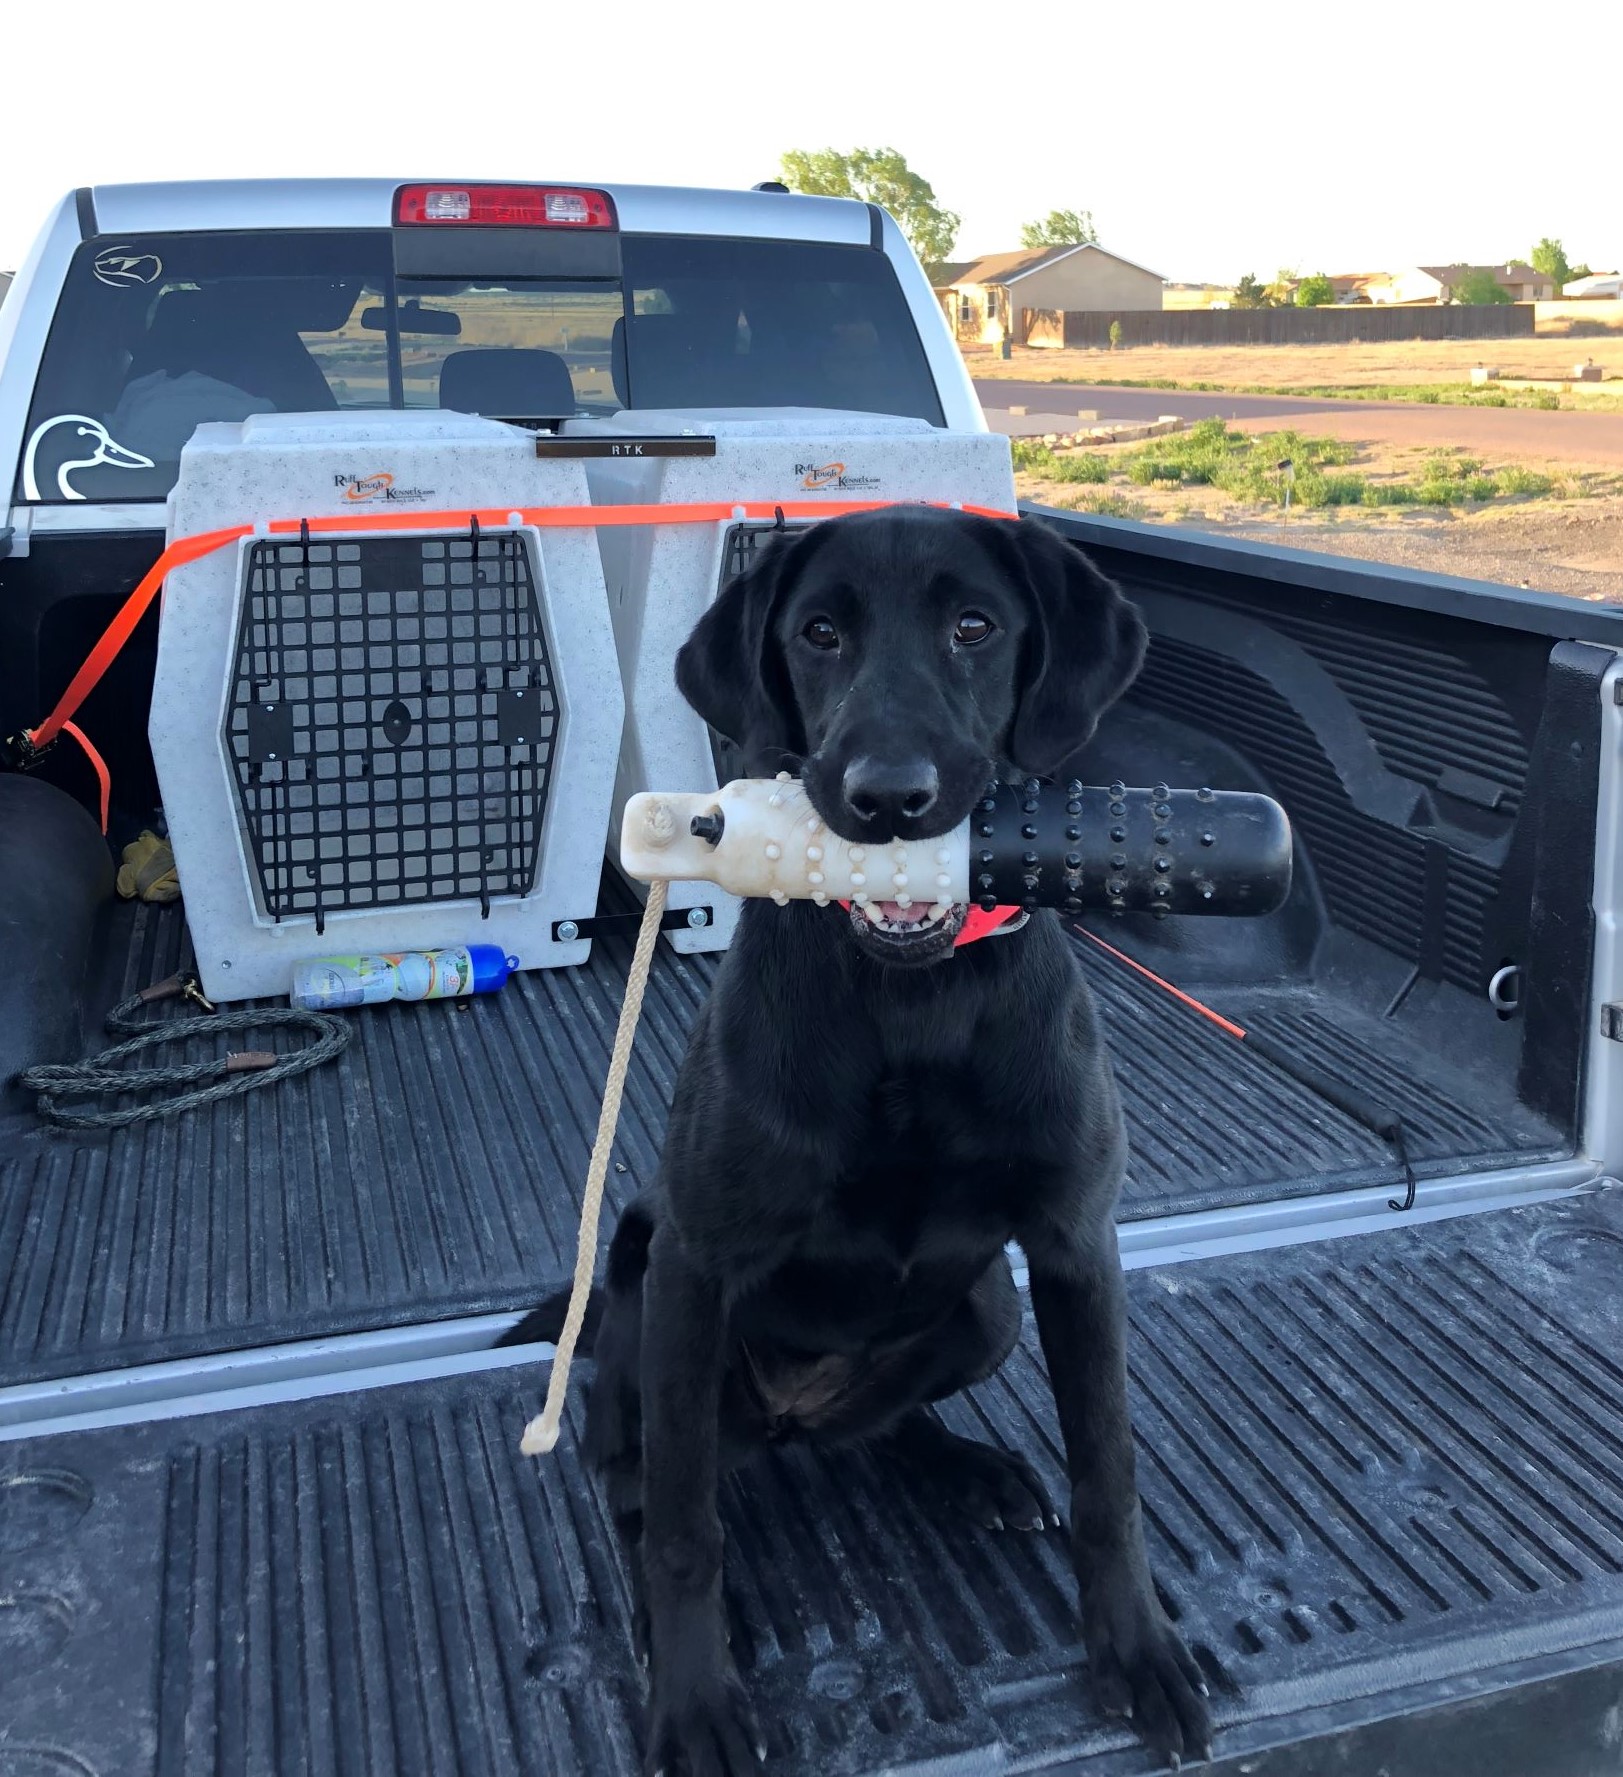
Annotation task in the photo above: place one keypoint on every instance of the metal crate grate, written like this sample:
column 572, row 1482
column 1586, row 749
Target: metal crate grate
column 741, row 542
column 391, row 721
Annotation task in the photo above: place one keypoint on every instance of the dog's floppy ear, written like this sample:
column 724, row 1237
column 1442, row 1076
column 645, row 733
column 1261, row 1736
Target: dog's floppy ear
column 1084, row 648
column 731, row 668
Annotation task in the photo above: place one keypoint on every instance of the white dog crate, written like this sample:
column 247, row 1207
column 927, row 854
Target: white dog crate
column 661, row 579
column 382, row 739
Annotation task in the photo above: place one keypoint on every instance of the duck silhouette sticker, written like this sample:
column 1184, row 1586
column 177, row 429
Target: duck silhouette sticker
column 61, row 446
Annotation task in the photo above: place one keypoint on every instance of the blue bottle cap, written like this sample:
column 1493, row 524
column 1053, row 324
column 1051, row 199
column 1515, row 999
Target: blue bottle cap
column 491, row 966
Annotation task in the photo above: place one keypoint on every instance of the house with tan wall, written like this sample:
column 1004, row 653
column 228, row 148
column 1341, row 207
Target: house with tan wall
column 1437, row 283
column 998, row 294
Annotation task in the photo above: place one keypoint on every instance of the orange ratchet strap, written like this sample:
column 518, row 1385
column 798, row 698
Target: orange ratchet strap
column 33, row 741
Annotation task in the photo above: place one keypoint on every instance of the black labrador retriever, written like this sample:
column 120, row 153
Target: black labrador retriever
column 866, row 1116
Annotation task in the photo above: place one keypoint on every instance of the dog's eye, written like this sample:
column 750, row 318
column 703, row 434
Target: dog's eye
column 821, row 633
column 971, row 628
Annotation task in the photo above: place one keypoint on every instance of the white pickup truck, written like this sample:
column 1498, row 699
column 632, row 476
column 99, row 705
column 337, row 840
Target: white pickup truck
column 261, row 1503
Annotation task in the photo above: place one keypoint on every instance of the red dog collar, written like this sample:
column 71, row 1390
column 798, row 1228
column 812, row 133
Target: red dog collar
column 979, row 923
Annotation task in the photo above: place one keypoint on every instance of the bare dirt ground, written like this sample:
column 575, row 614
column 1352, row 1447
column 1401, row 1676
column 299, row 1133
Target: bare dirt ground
column 1310, row 367
column 1571, row 545
column 1574, row 547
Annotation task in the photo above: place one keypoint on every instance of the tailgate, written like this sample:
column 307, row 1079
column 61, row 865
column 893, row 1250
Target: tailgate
column 1384, row 1495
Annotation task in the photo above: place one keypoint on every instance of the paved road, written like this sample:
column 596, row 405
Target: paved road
column 1505, row 433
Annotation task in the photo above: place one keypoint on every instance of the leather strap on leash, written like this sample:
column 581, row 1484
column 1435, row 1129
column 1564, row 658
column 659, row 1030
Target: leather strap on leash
column 541, row 1434
column 189, row 1084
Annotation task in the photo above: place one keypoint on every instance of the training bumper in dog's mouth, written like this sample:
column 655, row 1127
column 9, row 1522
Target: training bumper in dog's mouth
column 1075, row 847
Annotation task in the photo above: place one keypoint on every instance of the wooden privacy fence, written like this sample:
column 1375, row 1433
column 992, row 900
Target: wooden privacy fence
column 1275, row 327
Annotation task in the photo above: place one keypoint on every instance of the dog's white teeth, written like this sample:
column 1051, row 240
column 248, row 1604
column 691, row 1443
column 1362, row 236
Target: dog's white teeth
column 875, row 917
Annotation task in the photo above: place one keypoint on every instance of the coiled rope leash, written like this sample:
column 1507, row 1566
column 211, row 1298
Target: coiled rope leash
column 541, row 1434
column 237, row 1073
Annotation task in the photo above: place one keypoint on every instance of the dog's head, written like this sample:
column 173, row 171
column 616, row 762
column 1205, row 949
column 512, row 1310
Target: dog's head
column 896, row 659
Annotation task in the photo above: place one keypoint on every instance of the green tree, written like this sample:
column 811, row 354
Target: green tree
column 1061, row 228
column 877, row 176
column 1550, row 258
column 1250, row 293
column 1315, row 291
column 1478, row 286
column 1283, row 289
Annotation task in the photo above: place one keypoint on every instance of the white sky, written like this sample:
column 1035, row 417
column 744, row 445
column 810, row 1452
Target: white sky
column 1208, row 140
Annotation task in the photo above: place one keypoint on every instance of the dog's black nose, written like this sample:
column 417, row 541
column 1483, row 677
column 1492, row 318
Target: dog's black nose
column 885, row 794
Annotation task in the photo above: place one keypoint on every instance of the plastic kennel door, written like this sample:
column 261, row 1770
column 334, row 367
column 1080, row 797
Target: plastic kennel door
column 386, row 739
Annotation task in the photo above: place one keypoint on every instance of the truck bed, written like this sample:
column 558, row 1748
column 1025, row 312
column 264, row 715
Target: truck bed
column 1383, row 1481
column 435, row 1169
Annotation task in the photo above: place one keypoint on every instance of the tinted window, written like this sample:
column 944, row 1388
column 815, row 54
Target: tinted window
column 154, row 336
column 724, row 323
column 519, row 350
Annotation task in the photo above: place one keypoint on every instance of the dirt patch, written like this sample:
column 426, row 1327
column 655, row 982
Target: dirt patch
column 1570, row 547
column 1306, row 367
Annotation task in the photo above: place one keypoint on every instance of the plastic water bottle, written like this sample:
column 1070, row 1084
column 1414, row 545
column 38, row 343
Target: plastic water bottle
column 335, row 983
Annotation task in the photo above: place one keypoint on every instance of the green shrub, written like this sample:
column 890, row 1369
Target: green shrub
column 1032, row 456
column 1480, row 287
column 1115, row 336
column 1083, row 466
column 1109, row 506
column 1516, row 480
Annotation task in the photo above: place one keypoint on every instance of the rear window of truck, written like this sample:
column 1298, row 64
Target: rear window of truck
column 156, row 335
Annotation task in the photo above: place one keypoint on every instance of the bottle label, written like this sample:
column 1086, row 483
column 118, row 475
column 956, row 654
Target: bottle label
column 337, row 983
column 432, row 974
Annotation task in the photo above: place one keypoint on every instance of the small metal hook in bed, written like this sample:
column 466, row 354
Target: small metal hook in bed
column 1395, row 1137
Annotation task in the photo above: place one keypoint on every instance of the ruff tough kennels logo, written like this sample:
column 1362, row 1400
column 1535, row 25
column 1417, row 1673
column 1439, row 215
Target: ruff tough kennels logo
column 833, row 478
column 380, row 488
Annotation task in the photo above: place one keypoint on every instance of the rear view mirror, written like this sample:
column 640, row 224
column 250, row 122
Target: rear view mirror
column 412, row 317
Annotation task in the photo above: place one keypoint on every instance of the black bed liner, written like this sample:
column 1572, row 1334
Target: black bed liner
column 1383, row 1476
column 435, row 1169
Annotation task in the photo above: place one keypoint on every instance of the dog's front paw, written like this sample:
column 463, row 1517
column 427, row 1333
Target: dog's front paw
column 702, row 1728
column 1142, row 1669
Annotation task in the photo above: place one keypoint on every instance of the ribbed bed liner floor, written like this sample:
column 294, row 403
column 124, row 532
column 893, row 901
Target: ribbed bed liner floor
column 436, row 1168
column 1383, row 1473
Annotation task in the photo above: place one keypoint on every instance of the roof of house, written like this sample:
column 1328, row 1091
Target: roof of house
column 1005, row 268
column 949, row 273
column 1515, row 271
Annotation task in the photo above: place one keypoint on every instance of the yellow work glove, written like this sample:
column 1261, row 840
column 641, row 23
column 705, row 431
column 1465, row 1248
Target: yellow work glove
column 148, row 870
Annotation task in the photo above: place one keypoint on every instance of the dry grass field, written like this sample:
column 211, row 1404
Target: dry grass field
column 1401, row 363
